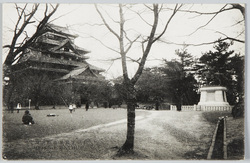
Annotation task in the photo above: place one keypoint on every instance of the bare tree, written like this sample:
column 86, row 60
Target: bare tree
column 26, row 17
column 224, row 37
column 129, row 83
column 21, row 40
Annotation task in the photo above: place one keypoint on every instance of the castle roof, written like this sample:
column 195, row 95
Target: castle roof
column 60, row 30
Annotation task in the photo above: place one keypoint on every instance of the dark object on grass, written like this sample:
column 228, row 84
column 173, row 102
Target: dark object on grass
column 51, row 115
column 27, row 118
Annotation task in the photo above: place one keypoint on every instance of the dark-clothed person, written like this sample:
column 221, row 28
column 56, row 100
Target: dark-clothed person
column 27, row 118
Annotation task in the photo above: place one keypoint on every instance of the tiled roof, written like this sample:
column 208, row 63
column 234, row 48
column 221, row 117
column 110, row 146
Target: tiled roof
column 60, row 29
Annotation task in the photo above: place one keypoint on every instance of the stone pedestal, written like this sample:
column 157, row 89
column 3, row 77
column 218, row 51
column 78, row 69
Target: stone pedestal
column 212, row 97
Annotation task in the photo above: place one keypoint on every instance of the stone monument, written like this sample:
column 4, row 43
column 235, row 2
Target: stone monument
column 213, row 98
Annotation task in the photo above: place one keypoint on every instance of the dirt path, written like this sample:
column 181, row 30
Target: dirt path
column 162, row 135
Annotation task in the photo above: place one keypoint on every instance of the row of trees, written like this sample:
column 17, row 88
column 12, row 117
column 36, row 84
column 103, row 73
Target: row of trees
column 42, row 90
column 177, row 81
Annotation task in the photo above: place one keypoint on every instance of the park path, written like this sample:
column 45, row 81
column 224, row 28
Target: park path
column 160, row 135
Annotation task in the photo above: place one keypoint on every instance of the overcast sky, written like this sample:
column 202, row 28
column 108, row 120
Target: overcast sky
column 80, row 18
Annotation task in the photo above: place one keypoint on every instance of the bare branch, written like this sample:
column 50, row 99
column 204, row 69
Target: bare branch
column 205, row 43
column 105, row 23
column 14, row 52
column 142, row 47
column 139, row 14
column 105, row 45
column 111, row 17
column 149, row 45
column 61, row 15
column 166, row 26
column 121, row 41
column 19, row 18
column 208, row 21
column 46, row 9
column 110, row 66
column 239, row 7
column 130, row 45
column 206, row 13
column 148, row 7
column 133, row 60
column 238, row 23
column 161, row 8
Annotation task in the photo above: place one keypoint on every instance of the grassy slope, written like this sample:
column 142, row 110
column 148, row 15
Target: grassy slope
column 167, row 135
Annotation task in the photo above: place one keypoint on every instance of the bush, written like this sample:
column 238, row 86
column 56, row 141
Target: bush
column 238, row 110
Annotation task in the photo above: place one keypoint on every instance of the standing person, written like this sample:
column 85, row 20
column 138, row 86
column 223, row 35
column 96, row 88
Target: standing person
column 27, row 118
column 18, row 107
column 87, row 106
column 70, row 108
column 11, row 106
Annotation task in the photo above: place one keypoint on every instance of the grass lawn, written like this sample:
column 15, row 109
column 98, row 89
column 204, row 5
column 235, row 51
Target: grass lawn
column 160, row 135
column 212, row 117
column 13, row 129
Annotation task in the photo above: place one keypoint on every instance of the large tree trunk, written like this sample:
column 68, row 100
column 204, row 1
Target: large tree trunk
column 128, row 146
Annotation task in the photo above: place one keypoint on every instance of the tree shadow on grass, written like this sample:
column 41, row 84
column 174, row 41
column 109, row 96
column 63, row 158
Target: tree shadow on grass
column 128, row 155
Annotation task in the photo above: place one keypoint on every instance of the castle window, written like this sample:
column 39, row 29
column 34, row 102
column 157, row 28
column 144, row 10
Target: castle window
column 66, row 49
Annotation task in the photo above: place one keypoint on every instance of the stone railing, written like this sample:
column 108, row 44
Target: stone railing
column 184, row 107
column 201, row 108
column 214, row 108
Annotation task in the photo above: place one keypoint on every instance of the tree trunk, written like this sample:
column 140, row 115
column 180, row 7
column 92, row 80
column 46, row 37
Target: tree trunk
column 128, row 146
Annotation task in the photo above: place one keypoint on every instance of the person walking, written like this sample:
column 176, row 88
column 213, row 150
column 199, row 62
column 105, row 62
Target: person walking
column 70, row 108
column 87, row 106
column 18, row 107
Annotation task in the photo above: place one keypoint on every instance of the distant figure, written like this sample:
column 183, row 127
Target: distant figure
column 74, row 107
column 92, row 105
column 87, row 106
column 27, row 118
column 157, row 104
column 78, row 104
column 11, row 107
column 18, row 107
column 70, row 108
